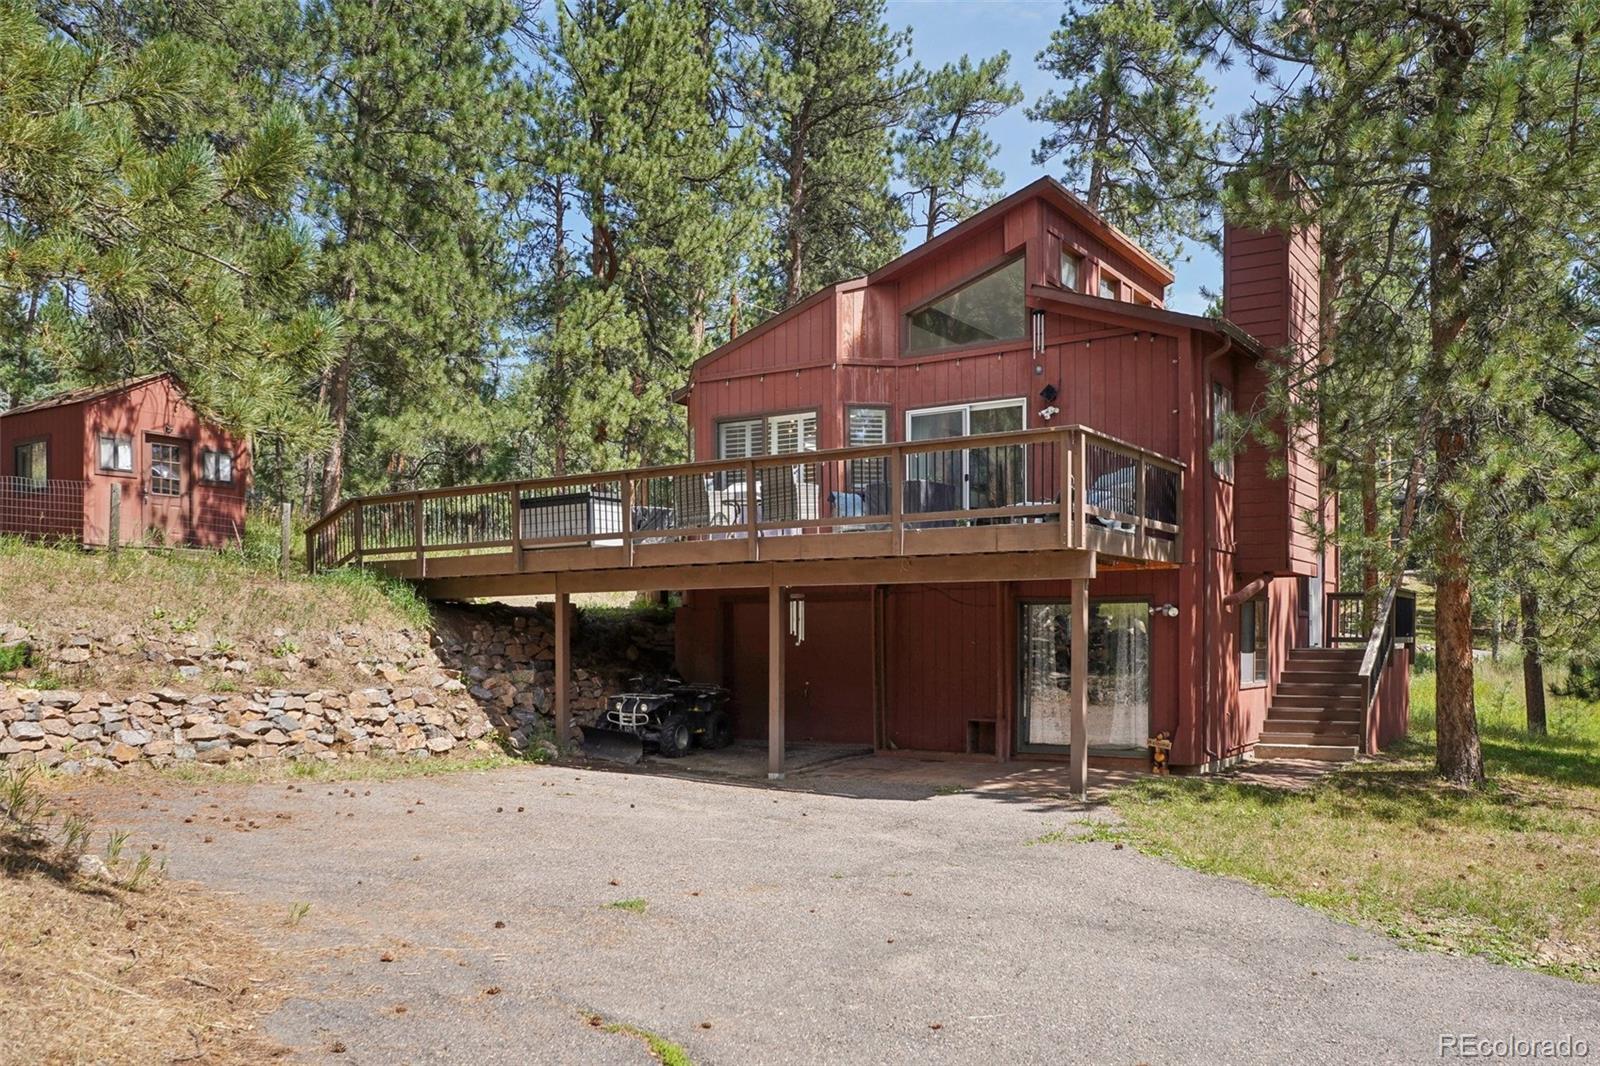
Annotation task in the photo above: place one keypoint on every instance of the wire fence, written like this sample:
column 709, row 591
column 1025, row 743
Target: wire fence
column 44, row 510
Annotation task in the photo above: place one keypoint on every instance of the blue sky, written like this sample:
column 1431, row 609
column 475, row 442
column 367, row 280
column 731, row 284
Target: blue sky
column 944, row 30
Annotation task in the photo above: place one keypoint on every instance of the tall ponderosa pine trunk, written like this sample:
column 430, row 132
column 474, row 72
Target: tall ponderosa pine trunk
column 1532, row 663
column 1459, row 755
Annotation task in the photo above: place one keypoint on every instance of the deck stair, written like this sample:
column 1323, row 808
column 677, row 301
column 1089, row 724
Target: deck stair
column 1317, row 708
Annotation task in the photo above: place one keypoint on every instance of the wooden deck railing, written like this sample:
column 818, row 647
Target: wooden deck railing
column 846, row 503
column 1395, row 623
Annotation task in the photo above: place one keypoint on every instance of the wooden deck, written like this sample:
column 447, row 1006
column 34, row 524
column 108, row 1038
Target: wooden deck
column 985, row 508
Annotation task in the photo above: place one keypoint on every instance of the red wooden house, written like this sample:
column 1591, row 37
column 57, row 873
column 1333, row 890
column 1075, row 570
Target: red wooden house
column 1037, row 313
column 969, row 503
column 177, row 479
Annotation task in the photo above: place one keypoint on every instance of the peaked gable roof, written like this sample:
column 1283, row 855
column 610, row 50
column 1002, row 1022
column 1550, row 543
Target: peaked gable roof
column 1046, row 188
column 85, row 394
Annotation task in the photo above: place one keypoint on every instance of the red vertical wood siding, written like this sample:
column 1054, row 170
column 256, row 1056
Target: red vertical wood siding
column 154, row 408
column 941, row 669
column 950, row 651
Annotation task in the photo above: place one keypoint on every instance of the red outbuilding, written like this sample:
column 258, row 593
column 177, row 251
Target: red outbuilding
column 136, row 448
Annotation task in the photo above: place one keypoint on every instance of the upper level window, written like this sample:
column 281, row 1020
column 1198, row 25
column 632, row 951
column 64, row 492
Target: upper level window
column 742, row 439
column 116, row 454
column 1253, row 626
column 33, row 462
column 1110, row 289
column 1071, row 271
column 217, row 467
column 989, row 308
column 866, row 426
column 774, row 435
column 1221, row 411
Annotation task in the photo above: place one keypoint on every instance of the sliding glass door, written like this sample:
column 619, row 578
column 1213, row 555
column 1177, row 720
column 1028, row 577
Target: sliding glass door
column 970, row 477
column 1119, row 676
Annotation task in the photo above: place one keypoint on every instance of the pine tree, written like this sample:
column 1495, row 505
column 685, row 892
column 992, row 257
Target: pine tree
column 645, row 210
column 1128, row 123
column 821, row 82
column 410, row 105
column 946, row 158
column 147, row 222
column 1453, row 154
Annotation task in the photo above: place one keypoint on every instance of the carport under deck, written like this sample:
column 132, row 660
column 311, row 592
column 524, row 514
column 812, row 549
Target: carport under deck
column 1055, row 504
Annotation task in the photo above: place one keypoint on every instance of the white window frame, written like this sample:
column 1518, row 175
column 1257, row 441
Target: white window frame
column 1255, row 670
column 119, row 446
column 966, row 410
column 1080, row 268
column 208, row 456
column 747, row 425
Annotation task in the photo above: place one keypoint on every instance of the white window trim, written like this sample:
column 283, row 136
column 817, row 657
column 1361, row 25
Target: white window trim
column 205, row 461
column 116, row 441
column 966, row 410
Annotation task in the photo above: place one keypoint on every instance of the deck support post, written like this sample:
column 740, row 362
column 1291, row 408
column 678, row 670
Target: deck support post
column 777, row 631
column 563, row 672
column 1078, row 775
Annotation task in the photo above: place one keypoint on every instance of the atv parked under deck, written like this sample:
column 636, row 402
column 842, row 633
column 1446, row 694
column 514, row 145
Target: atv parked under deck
column 673, row 716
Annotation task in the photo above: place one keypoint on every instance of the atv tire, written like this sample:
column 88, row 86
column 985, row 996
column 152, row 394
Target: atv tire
column 675, row 738
column 718, row 732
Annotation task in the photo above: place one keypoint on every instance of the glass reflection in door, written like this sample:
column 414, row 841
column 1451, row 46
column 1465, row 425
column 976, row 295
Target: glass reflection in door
column 1119, row 676
column 996, row 476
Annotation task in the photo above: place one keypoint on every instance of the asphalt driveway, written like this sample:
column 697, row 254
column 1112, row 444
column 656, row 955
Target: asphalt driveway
column 848, row 918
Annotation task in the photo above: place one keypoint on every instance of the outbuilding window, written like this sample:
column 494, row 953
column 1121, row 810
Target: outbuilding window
column 1253, row 626
column 116, row 454
column 217, row 467
column 988, row 308
column 33, row 463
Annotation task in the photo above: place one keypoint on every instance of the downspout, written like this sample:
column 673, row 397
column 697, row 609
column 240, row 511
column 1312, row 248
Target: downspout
column 1213, row 728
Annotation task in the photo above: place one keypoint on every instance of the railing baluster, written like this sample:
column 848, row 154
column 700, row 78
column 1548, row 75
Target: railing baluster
column 627, row 520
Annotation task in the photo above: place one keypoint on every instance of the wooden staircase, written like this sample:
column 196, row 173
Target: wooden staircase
column 1317, row 709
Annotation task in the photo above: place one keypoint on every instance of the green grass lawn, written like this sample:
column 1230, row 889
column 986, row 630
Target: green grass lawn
column 1511, row 872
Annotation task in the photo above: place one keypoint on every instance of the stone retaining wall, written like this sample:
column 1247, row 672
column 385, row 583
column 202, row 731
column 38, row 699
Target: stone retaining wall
column 484, row 669
column 76, row 731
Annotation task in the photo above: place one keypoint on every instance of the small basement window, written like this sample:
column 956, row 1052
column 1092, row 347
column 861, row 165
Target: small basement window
column 116, row 454
column 33, row 463
column 988, row 308
column 217, row 467
column 1253, row 626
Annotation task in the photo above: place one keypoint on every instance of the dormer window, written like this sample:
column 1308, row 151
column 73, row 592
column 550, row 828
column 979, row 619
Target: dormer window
column 1071, row 271
column 987, row 308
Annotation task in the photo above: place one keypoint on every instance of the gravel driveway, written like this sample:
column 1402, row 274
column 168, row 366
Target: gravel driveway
column 845, row 919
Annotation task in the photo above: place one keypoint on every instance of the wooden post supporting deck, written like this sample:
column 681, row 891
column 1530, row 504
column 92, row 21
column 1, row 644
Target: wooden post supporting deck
column 1078, row 776
column 563, row 672
column 777, row 632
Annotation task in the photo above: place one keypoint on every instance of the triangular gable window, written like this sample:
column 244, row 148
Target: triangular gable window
column 988, row 308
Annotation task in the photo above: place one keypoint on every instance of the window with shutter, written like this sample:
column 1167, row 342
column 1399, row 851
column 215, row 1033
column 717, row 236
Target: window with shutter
column 740, row 440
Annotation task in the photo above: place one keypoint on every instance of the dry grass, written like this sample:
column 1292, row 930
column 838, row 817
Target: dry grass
column 99, row 974
column 222, row 601
column 232, row 595
column 118, row 966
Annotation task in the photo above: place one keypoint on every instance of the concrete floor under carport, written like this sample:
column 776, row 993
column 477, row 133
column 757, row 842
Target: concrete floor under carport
column 857, row 770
